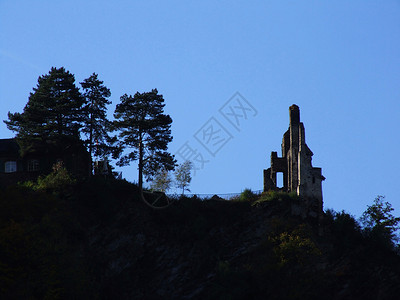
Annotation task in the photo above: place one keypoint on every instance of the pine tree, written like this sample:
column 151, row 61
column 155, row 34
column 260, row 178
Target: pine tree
column 145, row 129
column 97, row 127
column 53, row 115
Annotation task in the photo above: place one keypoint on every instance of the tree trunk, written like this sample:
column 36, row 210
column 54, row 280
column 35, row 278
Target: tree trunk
column 140, row 165
column 91, row 145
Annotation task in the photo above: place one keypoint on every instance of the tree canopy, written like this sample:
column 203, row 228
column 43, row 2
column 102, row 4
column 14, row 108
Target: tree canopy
column 53, row 115
column 98, row 126
column 145, row 130
column 379, row 222
column 183, row 176
column 162, row 181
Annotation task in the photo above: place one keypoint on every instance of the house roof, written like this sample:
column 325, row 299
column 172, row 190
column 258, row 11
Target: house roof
column 8, row 146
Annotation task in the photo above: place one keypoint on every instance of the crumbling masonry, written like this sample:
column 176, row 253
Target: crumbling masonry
column 298, row 173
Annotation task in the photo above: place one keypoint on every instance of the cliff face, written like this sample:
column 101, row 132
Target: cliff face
column 171, row 254
column 220, row 249
column 99, row 241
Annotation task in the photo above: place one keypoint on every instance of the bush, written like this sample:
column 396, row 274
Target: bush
column 247, row 195
column 344, row 223
column 295, row 249
column 274, row 196
column 293, row 244
column 59, row 178
column 344, row 229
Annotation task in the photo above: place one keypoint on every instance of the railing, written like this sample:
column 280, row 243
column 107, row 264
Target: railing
column 227, row 196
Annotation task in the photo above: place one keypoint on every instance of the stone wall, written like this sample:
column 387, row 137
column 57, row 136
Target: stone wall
column 296, row 163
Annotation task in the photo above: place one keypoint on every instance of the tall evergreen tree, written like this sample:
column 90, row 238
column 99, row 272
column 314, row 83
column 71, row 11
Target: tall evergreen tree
column 98, row 126
column 53, row 114
column 145, row 129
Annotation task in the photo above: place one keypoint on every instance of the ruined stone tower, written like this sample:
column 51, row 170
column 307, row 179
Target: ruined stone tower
column 298, row 173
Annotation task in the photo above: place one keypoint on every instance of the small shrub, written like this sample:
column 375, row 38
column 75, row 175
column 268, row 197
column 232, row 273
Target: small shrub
column 275, row 196
column 57, row 179
column 295, row 247
column 247, row 195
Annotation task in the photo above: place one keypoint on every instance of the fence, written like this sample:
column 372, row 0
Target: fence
column 226, row 196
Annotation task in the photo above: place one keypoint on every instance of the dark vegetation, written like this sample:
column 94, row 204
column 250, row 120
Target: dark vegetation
column 63, row 237
column 59, row 116
column 145, row 130
column 97, row 240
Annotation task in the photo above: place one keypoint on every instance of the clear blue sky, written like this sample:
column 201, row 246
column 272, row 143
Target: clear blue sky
column 339, row 61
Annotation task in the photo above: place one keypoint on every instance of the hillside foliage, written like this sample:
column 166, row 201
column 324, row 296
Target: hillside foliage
column 97, row 240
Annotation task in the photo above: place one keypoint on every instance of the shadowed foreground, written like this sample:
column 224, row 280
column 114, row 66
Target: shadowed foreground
column 97, row 240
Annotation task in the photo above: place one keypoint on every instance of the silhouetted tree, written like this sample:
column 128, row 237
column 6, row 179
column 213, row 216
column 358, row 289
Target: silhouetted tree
column 53, row 114
column 183, row 175
column 144, row 128
column 379, row 222
column 97, row 127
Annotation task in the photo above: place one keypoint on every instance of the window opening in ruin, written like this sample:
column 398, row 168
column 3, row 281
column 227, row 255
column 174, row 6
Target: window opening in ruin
column 313, row 179
column 279, row 180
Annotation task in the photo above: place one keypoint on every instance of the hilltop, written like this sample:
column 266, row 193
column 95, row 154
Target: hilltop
column 98, row 240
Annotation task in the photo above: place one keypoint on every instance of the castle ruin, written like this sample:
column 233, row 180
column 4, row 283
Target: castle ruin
column 298, row 173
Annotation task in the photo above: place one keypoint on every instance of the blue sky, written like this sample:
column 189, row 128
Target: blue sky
column 339, row 61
